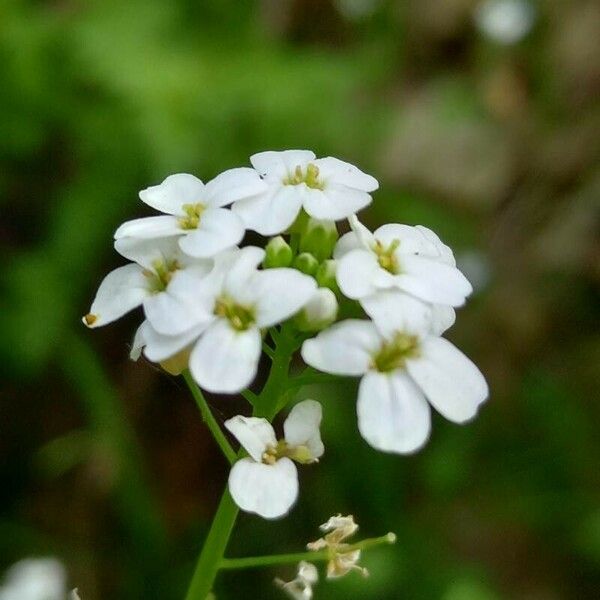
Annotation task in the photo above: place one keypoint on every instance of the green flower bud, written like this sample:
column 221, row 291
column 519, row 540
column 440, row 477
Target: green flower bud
column 325, row 275
column 319, row 238
column 278, row 253
column 320, row 311
column 306, row 263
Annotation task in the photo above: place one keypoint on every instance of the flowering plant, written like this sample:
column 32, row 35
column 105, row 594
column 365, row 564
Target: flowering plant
column 368, row 305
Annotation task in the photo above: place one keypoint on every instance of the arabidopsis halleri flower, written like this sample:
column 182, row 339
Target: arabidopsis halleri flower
column 341, row 560
column 159, row 279
column 194, row 211
column 35, row 579
column 410, row 259
column 300, row 588
column 326, row 188
column 404, row 368
column 266, row 482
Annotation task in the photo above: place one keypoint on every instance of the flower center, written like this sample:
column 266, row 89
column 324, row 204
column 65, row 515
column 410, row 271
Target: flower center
column 310, row 177
column 301, row 454
column 392, row 355
column 193, row 212
column 386, row 257
column 161, row 274
column 240, row 317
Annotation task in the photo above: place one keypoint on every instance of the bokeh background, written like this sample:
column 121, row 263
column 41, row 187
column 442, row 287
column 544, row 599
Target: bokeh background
column 485, row 129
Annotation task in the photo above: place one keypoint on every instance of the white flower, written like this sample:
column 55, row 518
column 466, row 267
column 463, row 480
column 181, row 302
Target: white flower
column 266, row 482
column 300, row 588
column 505, row 21
column 327, row 188
column 225, row 358
column 402, row 367
column 410, row 259
column 320, row 311
column 194, row 211
column 160, row 278
column 35, row 579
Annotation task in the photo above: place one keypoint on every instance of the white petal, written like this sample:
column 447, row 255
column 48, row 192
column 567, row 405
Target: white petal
column 348, row 242
column 412, row 241
column 253, row 433
column 345, row 348
column 175, row 191
column 356, row 274
column 451, row 382
column 445, row 253
column 226, row 360
column 233, row 185
column 241, row 268
column 121, row 290
column 442, row 318
column 267, row 490
column 335, row 202
column 280, row 293
column 272, row 212
column 393, row 415
column 218, row 230
column 161, row 347
column 336, row 170
column 139, row 341
column 280, row 163
column 393, row 311
column 433, row 281
column 301, row 428
column 150, row 227
column 364, row 236
column 147, row 251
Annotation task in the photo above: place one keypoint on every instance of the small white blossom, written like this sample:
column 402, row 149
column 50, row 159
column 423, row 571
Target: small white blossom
column 35, row 579
column 327, row 188
column 194, row 211
column 404, row 368
column 319, row 312
column 159, row 279
column 410, row 259
column 300, row 588
column 266, row 482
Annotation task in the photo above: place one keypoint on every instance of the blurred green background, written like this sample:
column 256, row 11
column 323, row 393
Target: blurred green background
column 105, row 463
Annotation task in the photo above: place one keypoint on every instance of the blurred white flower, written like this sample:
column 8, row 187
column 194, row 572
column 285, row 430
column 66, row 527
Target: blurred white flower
column 266, row 482
column 327, row 188
column 410, row 259
column 194, row 212
column 403, row 366
column 35, row 579
column 300, row 588
column 505, row 21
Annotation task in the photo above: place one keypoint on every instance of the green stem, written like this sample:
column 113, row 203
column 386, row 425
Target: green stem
column 266, row 405
column 251, row 562
column 209, row 419
column 214, row 547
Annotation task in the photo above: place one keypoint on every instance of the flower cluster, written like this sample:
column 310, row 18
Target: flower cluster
column 211, row 305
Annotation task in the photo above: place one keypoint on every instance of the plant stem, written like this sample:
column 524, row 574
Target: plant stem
column 209, row 419
column 251, row 562
column 214, row 547
column 265, row 405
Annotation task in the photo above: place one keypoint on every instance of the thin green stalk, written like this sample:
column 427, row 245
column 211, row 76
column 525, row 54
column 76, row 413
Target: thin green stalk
column 265, row 405
column 213, row 549
column 252, row 562
column 209, row 419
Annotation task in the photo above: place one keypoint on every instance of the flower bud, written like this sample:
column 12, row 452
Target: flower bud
column 325, row 275
column 306, row 263
column 319, row 238
column 320, row 311
column 278, row 253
